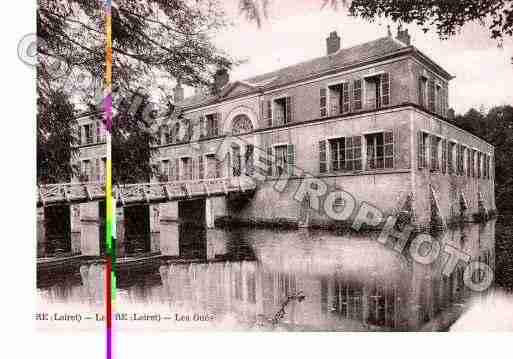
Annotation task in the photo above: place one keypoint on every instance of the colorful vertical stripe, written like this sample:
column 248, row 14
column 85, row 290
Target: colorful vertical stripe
column 110, row 276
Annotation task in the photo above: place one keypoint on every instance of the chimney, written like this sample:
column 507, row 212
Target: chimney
column 332, row 43
column 178, row 92
column 221, row 78
column 403, row 36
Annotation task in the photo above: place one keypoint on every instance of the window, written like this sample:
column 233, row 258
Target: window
column 377, row 91
column 201, row 168
column 479, row 154
column 444, row 155
column 422, row 149
column 100, row 132
column 431, row 95
column 338, row 154
column 380, row 150
column 357, row 95
column 212, row 125
column 88, row 134
column 422, row 91
column 459, row 160
column 241, row 124
column 187, row 168
column 212, row 166
column 450, row 157
column 86, row 171
column 346, row 153
column 284, row 160
column 435, row 164
column 438, row 99
column 282, row 111
column 323, row 102
column 174, row 134
column 189, row 130
column 468, row 161
column 339, row 98
column 236, row 161
column 267, row 113
column 164, row 171
column 248, row 160
column 472, row 164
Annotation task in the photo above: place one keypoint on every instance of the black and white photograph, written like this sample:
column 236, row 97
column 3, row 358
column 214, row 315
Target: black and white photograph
column 312, row 167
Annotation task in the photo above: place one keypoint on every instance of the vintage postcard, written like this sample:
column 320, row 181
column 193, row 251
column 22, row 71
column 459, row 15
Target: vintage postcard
column 274, row 166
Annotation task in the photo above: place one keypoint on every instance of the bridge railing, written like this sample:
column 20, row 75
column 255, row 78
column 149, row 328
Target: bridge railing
column 175, row 190
column 68, row 193
column 56, row 193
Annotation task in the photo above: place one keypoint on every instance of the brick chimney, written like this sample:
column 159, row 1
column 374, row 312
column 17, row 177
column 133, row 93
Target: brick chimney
column 221, row 78
column 178, row 93
column 403, row 36
column 332, row 43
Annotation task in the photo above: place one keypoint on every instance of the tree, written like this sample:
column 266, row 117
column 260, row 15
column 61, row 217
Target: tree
column 55, row 119
column 151, row 39
column 446, row 17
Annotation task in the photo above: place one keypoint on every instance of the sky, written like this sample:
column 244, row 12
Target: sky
column 296, row 30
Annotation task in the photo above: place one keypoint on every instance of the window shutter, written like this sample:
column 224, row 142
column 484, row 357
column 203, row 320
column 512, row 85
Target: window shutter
column 357, row 94
column 289, row 103
column 420, row 150
column 421, row 91
column 357, row 153
column 431, row 95
column 177, row 169
column 385, row 89
column 444, row 155
column 218, row 168
column 291, row 159
column 200, row 167
column 388, row 149
column 345, row 97
column 322, row 157
column 202, row 127
column 194, row 169
column 323, row 101
column 270, row 160
column 269, row 113
column 217, row 121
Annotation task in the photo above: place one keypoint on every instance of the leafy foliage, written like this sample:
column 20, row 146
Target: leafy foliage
column 55, row 134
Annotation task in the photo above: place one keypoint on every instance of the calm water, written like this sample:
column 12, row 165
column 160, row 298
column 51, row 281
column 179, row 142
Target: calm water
column 332, row 282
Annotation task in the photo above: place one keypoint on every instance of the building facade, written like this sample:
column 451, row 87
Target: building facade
column 369, row 119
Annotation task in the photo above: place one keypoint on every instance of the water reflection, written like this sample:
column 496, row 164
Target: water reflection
column 349, row 282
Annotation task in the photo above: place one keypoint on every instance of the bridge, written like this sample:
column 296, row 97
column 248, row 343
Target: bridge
column 143, row 193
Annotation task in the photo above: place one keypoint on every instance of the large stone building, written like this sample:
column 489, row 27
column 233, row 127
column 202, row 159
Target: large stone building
column 370, row 119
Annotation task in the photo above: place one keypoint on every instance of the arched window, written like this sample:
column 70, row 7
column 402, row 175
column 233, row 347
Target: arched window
column 241, row 124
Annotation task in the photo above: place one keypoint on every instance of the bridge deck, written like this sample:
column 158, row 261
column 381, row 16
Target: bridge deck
column 141, row 193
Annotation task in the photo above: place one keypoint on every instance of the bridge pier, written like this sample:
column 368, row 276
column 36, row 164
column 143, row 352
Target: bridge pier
column 169, row 229
column 89, row 229
column 40, row 232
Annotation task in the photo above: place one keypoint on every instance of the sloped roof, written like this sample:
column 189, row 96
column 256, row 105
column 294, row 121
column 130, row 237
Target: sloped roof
column 342, row 58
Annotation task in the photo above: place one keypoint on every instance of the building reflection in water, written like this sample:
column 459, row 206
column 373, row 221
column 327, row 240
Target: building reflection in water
column 349, row 282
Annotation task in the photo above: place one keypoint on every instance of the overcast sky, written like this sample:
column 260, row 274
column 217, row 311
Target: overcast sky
column 296, row 31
